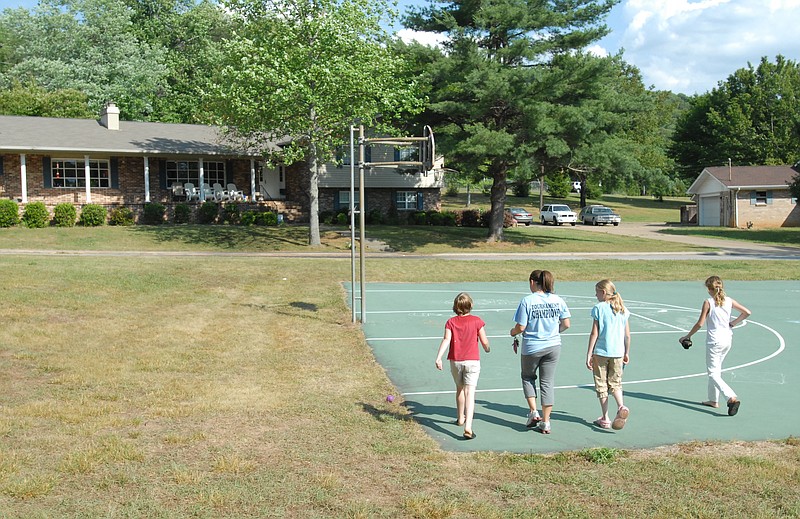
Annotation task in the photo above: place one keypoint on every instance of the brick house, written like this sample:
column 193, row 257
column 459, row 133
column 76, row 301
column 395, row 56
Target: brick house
column 125, row 163
column 746, row 196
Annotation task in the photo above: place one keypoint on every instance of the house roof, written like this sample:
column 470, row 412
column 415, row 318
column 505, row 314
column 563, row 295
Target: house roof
column 23, row 134
column 746, row 177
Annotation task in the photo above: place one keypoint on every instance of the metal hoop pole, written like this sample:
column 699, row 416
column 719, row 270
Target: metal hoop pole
column 361, row 221
column 352, row 225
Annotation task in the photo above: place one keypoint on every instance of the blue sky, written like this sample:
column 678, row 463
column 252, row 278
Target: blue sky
column 686, row 46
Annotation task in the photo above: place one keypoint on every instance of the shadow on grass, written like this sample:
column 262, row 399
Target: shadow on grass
column 527, row 239
column 783, row 236
column 228, row 237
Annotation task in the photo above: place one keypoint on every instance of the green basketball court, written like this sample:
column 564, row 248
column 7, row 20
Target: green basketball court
column 663, row 384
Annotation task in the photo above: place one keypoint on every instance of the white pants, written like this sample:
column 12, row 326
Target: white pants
column 715, row 354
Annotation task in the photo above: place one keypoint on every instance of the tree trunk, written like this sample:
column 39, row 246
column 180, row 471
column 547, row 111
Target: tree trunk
column 313, row 196
column 499, row 172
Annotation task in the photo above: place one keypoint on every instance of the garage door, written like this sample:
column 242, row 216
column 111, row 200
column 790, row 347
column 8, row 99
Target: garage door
column 709, row 211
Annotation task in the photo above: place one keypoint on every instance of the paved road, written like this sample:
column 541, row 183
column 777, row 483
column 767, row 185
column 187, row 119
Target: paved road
column 719, row 250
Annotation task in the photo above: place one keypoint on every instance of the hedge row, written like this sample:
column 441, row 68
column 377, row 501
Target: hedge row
column 465, row 218
column 36, row 215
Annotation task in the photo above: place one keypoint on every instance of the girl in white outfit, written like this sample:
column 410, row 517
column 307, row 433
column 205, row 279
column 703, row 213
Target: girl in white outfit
column 717, row 310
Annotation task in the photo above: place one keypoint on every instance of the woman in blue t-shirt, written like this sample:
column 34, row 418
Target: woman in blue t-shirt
column 541, row 318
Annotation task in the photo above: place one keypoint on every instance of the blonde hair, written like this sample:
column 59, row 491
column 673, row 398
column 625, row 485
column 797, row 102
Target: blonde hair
column 717, row 289
column 612, row 297
column 462, row 304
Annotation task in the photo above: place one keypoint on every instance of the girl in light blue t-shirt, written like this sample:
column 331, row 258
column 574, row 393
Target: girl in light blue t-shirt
column 541, row 317
column 609, row 347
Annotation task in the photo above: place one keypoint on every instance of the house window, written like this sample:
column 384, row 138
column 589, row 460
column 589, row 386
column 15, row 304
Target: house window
column 406, row 200
column 407, row 154
column 344, row 200
column 343, row 155
column 71, row 173
column 183, row 171
column 761, row 198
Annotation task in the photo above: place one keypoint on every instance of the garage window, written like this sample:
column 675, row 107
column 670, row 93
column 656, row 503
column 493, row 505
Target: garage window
column 760, row 197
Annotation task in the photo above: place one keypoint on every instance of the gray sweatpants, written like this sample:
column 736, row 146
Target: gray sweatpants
column 542, row 363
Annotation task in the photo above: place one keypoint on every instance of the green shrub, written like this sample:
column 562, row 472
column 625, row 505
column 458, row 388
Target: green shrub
column 9, row 213
column 326, row 217
column 267, row 218
column 522, row 188
column 208, row 212
column 248, row 218
column 93, row 215
column 375, row 217
column 64, row 215
column 445, row 219
column 470, row 218
column 593, row 190
column 559, row 185
column 35, row 215
column 153, row 213
column 418, row 218
column 121, row 216
column 341, row 219
column 231, row 213
column 183, row 213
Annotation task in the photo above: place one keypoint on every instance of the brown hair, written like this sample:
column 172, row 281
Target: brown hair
column 612, row 296
column 715, row 286
column 462, row 304
column 545, row 280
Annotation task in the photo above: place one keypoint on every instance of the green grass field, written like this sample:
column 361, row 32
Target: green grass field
column 230, row 386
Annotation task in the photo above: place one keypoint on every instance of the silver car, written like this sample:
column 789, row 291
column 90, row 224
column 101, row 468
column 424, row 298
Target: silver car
column 599, row 215
column 521, row 215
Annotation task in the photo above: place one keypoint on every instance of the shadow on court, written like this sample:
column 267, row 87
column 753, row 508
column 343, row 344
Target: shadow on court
column 663, row 384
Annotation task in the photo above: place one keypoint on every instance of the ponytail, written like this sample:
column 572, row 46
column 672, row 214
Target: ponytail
column 612, row 296
column 717, row 289
column 545, row 280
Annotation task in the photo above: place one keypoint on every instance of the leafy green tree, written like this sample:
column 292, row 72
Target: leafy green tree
column 33, row 100
column 596, row 122
column 485, row 86
column 302, row 71
column 191, row 35
column 752, row 118
column 83, row 45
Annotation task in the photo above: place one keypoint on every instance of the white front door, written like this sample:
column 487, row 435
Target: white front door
column 272, row 183
column 709, row 209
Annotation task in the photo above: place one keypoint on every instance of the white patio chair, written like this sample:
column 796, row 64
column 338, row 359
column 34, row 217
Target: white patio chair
column 208, row 193
column 234, row 193
column 191, row 192
column 220, row 194
column 177, row 191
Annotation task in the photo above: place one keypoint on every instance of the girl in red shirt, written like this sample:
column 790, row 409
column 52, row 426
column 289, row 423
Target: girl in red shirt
column 461, row 334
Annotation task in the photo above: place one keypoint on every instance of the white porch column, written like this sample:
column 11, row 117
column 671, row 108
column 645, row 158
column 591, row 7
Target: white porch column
column 252, row 180
column 146, row 179
column 87, row 173
column 202, row 181
column 23, row 177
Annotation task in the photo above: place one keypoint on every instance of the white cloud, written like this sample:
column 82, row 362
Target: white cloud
column 431, row 39
column 689, row 46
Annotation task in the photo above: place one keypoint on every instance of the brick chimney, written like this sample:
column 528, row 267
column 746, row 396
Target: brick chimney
column 109, row 117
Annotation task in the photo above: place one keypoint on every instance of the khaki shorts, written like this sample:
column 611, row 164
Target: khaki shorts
column 465, row 372
column 607, row 374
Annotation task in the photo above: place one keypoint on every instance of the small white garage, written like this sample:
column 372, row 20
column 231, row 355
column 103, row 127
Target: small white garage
column 746, row 196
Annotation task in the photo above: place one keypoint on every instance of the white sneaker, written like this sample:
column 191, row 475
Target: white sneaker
column 543, row 427
column 533, row 419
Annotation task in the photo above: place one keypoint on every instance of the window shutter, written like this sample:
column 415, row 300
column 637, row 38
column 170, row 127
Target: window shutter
column 769, row 197
column 229, row 173
column 162, row 173
column 396, row 154
column 114, row 166
column 420, row 201
column 336, row 202
column 752, row 198
column 47, row 177
column 1, row 166
column 368, row 155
